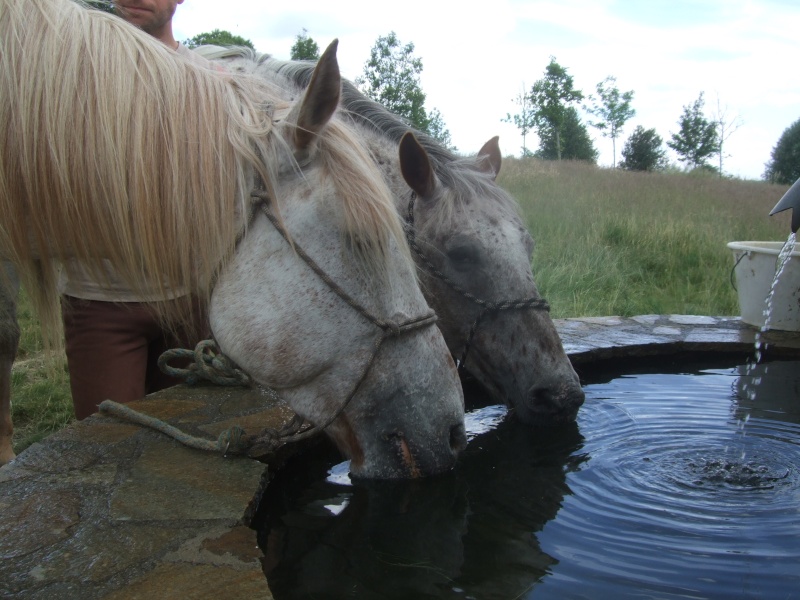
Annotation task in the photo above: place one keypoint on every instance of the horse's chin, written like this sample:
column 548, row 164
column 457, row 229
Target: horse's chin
column 394, row 457
column 557, row 413
column 544, row 407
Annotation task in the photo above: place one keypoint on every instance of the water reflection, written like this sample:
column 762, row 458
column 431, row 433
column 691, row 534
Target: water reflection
column 768, row 391
column 426, row 539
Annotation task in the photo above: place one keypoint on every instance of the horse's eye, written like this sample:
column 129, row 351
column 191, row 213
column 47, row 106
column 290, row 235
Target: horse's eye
column 463, row 258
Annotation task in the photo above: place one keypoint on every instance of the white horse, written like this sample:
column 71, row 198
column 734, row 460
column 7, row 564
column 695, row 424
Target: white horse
column 114, row 147
column 471, row 245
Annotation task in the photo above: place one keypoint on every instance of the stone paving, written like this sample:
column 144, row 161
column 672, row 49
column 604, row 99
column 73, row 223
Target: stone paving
column 105, row 509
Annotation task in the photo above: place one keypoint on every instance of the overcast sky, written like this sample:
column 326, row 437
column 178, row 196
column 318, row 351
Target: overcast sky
column 478, row 55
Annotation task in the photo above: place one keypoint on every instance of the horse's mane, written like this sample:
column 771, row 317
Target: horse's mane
column 461, row 175
column 374, row 221
column 82, row 141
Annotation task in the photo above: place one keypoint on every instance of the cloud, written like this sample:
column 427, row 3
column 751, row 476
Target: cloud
column 477, row 60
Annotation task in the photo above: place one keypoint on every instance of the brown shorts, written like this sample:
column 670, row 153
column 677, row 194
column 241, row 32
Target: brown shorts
column 112, row 351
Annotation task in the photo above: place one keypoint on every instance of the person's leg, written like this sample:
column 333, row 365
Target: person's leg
column 106, row 345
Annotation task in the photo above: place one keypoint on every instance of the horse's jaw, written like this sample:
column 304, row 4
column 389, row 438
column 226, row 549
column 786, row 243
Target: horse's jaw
column 291, row 333
column 403, row 423
column 542, row 389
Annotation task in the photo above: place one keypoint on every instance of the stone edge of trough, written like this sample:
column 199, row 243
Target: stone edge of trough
column 105, row 509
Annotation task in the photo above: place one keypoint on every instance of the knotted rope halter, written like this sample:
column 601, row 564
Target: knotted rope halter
column 212, row 365
column 487, row 307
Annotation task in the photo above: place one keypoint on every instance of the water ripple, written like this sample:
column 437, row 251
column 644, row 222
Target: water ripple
column 682, row 490
column 681, row 485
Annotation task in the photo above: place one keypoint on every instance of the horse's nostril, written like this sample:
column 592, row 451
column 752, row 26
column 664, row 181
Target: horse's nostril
column 554, row 405
column 458, row 437
column 543, row 398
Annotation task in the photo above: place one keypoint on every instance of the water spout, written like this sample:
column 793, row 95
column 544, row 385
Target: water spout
column 791, row 199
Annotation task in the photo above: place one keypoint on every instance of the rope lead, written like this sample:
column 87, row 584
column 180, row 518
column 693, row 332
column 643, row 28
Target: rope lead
column 230, row 441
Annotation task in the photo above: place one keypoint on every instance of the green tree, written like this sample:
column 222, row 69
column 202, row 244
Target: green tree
column 391, row 78
column 613, row 110
column 784, row 164
column 550, row 98
column 438, row 130
column 644, row 151
column 304, row 47
column 218, row 37
column 572, row 142
column 697, row 139
column 524, row 120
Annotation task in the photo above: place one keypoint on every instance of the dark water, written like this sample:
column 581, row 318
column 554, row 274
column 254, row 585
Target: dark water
column 684, row 484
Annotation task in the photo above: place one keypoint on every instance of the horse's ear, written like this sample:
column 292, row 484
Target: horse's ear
column 320, row 100
column 416, row 166
column 489, row 158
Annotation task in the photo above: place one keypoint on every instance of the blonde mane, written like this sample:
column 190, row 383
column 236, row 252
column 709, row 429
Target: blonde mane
column 158, row 167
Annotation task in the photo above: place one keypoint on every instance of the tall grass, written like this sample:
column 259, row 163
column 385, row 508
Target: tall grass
column 612, row 242
column 607, row 243
column 41, row 402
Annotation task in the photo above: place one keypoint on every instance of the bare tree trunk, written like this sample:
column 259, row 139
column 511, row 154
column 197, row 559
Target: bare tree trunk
column 613, row 153
column 558, row 144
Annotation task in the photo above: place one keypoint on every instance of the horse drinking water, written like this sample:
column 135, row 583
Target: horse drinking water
column 115, row 148
column 472, row 248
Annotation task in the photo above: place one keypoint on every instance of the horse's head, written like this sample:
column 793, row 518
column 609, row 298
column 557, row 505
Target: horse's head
column 469, row 230
column 318, row 342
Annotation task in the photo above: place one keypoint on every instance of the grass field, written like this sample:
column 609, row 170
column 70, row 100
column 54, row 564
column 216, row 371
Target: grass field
column 607, row 243
column 40, row 399
column 612, row 242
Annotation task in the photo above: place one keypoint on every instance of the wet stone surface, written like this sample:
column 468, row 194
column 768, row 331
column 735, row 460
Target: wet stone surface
column 105, row 509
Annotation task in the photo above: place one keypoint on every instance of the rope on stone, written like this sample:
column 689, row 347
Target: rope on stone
column 209, row 365
column 233, row 440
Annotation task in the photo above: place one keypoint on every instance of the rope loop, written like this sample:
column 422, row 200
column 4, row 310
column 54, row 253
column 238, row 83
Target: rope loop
column 209, row 365
column 233, row 441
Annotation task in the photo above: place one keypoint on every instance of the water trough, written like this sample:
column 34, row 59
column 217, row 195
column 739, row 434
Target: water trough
column 104, row 509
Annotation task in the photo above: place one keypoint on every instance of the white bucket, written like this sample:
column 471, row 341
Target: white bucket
column 755, row 264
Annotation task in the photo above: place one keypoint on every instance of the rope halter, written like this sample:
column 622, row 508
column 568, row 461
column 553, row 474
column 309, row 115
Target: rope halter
column 487, row 308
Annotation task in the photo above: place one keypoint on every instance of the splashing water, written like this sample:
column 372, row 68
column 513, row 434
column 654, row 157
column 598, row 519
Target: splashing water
column 760, row 345
column 783, row 260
